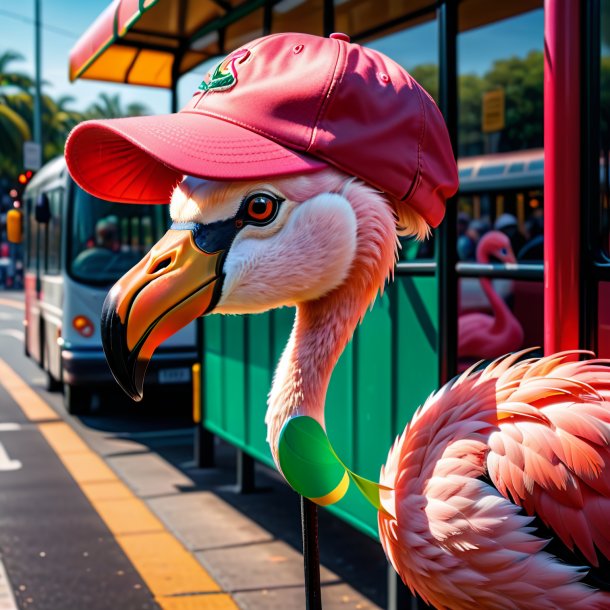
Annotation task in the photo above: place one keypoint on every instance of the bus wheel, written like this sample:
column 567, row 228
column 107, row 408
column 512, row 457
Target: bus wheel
column 77, row 400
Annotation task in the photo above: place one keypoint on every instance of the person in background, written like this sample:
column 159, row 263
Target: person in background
column 533, row 250
column 467, row 243
column 508, row 224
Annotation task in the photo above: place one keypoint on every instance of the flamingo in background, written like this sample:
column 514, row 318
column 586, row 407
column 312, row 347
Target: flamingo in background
column 485, row 336
column 497, row 494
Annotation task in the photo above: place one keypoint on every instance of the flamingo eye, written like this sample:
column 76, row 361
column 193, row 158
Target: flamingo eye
column 261, row 208
column 504, row 251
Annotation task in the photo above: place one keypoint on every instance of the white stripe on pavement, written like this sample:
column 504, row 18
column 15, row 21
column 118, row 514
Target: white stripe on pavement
column 13, row 332
column 7, row 599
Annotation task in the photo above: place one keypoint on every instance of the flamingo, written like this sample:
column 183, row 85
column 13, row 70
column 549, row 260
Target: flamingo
column 489, row 336
column 496, row 495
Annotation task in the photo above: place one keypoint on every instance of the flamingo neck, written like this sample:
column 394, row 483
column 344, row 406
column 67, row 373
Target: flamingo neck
column 323, row 327
column 501, row 311
column 500, row 308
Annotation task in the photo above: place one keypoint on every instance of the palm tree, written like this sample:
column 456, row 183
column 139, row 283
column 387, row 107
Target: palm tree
column 109, row 107
column 13, row 79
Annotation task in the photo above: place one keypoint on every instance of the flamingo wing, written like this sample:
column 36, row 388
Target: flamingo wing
column 550, row 453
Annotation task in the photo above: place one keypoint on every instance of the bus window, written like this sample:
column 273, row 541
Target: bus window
column 30, row 229
column 109, row 238
column 54, row 232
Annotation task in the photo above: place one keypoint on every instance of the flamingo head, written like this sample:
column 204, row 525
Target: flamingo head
column 247, row 247
column 495, row 244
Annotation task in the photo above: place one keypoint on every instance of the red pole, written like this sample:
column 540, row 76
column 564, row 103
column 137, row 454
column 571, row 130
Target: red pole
column 561, row 174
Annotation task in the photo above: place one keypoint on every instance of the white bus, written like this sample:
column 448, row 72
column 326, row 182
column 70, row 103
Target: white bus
column 76, row 247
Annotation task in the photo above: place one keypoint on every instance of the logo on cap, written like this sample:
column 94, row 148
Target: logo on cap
column 224, row 76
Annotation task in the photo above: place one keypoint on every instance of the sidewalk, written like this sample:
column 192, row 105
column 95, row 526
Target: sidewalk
column 249, row 543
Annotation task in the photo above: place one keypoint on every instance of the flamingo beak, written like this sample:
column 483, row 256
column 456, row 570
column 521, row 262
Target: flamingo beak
column 172, row 285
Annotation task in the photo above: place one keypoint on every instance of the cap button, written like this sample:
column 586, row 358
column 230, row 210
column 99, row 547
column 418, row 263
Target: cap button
column 340, row 36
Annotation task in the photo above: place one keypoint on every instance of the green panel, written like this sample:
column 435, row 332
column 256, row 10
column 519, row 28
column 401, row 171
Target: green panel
column 339, row 407
column 281, row 325
column 234, row 375
column 260, row 368
column 212, row 371
column 385, row 373
column 373, row 382
column 416, row 335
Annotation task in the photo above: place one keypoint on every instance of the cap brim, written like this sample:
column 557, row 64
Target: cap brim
column 141, row 159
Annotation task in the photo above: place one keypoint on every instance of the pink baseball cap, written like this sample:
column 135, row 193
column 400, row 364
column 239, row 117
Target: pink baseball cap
column 283, row 104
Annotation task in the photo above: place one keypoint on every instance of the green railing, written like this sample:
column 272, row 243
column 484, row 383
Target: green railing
column 386, row 372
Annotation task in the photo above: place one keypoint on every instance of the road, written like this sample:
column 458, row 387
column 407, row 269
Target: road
column 108, row 512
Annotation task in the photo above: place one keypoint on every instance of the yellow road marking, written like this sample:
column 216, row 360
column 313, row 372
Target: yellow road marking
column 175, row 578
column 11, row 303
column 34, row 407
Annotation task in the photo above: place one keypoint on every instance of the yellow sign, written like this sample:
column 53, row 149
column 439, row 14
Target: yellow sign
column 493, row 116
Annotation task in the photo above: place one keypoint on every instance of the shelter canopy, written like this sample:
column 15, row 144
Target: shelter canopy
column 151, row 42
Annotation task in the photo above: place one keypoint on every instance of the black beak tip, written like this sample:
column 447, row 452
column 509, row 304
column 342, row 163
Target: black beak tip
column 127, row 369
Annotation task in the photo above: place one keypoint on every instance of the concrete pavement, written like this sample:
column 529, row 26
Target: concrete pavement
column 248, row 544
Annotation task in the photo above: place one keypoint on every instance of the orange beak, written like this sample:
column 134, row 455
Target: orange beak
column 172, row 285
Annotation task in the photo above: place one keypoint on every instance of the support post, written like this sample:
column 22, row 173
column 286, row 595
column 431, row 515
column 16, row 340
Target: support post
column 204, row 448
column 311, row 554
column 38, row 69
column 399, row 596
column 245, row 473
column 562, row 148
column 591, row 250
column 446, row 236
column 204, row 439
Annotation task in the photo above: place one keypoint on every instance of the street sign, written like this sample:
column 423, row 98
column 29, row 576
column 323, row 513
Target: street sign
column 32, row 156
column 493, row 115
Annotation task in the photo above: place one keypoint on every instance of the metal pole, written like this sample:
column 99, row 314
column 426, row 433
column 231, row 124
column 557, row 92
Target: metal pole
column 561, row 175
column 589, row 182
column 446, row 239
column 37, row 68
column 311, row 554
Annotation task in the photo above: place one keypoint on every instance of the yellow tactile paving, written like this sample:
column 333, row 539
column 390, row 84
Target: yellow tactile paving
column 106, row 490
column 34, row 407
column 175, row 578
column 59, row 434
column 127, row 516
column 85, row 467
column 213, row 601
column 166, row 566
column 10, row 303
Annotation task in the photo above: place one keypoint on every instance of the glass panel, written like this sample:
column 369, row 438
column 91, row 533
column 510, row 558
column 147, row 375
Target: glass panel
column 605, row 128
column 500, row 133
column 516, row 213
column 497, row 317
column 298, row 16
column 500, row 68
column 109, row 238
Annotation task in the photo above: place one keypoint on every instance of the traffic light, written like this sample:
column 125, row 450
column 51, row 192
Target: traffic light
column 25, row 177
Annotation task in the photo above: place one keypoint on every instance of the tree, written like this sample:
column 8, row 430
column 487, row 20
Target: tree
column 13, row 79
column 109, row 107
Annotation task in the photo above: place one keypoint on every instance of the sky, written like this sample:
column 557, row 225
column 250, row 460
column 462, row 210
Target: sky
column 65, row 20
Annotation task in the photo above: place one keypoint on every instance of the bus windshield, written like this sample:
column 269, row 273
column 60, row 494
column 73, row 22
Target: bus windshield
column 107, row 239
